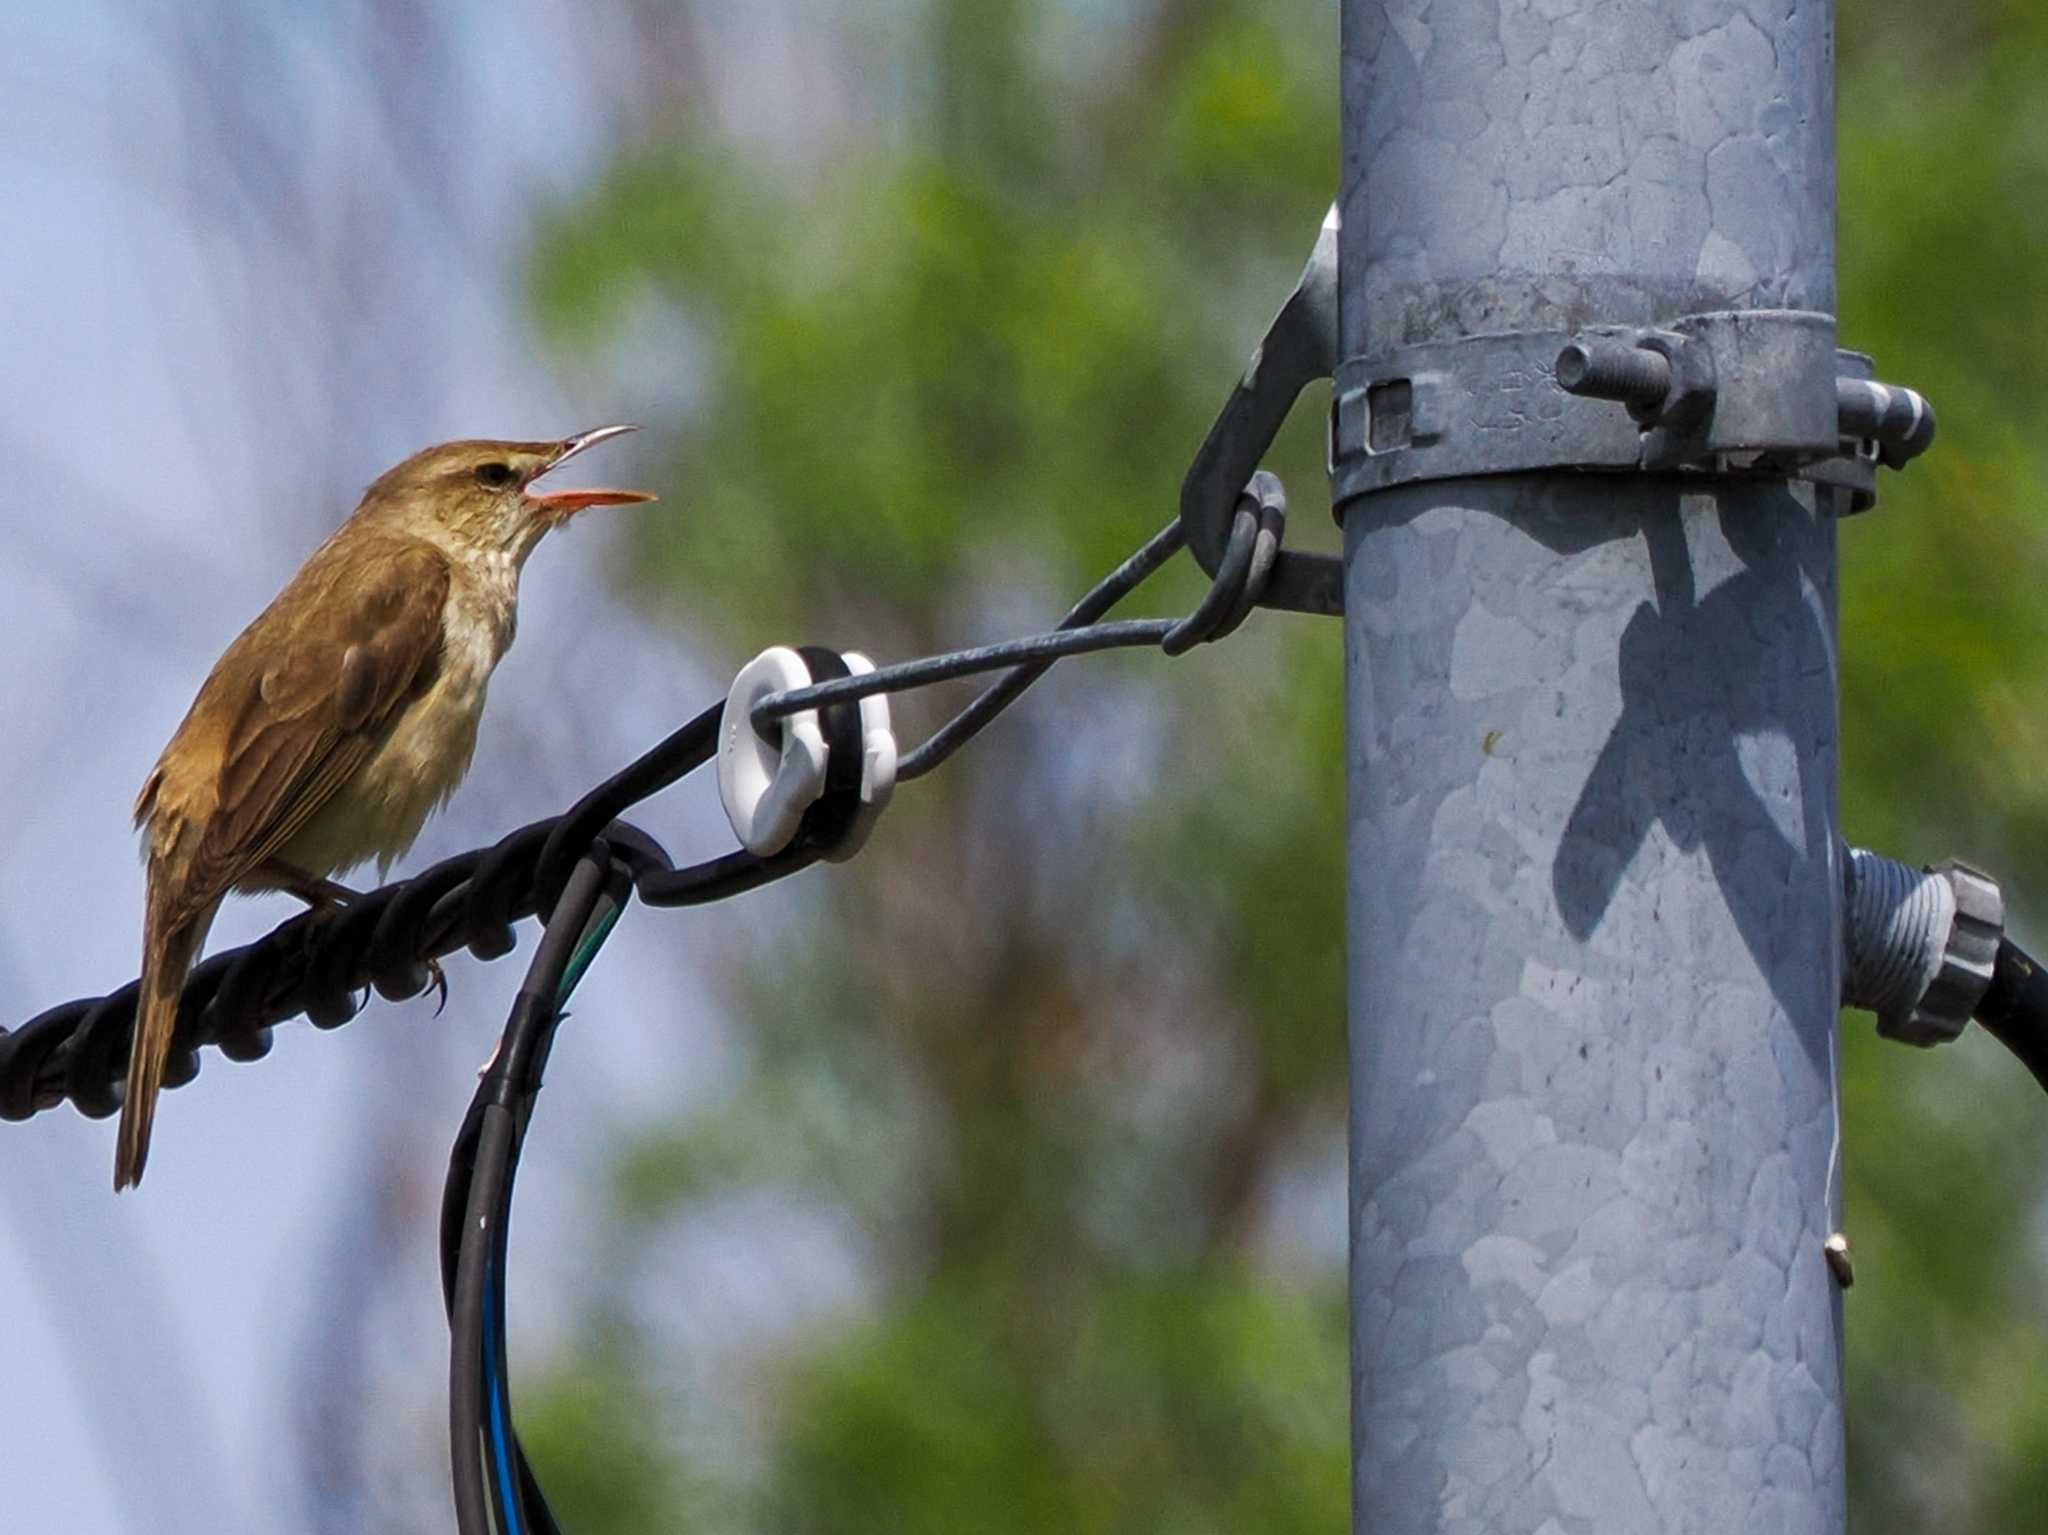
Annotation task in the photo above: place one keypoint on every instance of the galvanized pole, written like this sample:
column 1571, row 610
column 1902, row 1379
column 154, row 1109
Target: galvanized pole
column 1594, row 888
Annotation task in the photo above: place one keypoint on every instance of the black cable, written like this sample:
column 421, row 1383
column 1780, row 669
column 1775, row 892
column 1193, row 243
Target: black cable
column 321, row 964
column 2014, row 1007
column 495, row 1488
column 576, row 871
column 476, row 1501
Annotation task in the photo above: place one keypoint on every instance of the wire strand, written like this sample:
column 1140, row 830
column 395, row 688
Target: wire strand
column 998, row 696
column 1046, row 648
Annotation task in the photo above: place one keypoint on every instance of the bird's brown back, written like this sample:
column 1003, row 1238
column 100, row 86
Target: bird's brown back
column 293, row 705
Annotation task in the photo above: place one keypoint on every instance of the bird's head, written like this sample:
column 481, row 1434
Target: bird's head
column 479, row 495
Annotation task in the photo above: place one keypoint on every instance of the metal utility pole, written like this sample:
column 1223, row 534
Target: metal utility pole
column 1588, row 382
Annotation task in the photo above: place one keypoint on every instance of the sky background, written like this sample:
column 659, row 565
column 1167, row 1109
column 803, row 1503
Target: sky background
column 205, row 376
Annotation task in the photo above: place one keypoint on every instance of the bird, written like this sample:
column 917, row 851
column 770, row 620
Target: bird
column 342, row 717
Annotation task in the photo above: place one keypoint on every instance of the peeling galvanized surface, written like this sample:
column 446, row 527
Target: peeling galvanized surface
column 1592, row 756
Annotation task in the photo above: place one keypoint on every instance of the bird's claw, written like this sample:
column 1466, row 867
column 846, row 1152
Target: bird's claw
column 437, row 978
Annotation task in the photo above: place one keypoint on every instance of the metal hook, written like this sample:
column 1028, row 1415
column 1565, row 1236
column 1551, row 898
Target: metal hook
column 1300, row 347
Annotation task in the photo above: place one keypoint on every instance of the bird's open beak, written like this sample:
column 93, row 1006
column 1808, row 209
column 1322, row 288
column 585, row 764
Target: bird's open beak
column 561, row 504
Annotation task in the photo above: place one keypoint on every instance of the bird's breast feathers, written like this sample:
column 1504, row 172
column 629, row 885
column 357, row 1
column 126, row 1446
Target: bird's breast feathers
column 429, row 744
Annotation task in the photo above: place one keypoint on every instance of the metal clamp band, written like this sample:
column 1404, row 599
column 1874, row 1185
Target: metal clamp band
column 1758, row 392
column 1742, row 391
column 1748, row 392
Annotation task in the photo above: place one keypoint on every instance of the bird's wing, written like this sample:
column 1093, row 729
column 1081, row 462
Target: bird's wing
column 315, row 714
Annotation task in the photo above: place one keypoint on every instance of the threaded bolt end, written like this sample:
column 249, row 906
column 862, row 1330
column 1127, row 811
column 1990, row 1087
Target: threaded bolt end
column 1613, row 370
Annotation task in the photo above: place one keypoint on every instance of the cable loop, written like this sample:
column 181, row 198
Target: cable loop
column 1255, row 533
column 88, row 1077
column 395, row 971
column 238, row 997
column 328, row 975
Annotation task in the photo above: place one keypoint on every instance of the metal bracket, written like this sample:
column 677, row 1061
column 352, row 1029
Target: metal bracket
column 1300, row 347
column 1752, row 392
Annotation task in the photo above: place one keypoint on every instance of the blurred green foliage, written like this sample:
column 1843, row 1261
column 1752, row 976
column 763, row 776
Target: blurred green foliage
column 1944, row 220
column 1081, row 1016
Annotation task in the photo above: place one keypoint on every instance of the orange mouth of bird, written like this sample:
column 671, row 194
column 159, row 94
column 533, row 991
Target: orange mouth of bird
column 563, row 504
column 566, row 503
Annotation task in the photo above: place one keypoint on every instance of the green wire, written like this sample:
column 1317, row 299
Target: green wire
column 586, row 951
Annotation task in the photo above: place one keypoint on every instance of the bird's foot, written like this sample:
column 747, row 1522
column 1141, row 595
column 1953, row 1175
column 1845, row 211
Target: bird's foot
column 331, row 895
column 320, row 894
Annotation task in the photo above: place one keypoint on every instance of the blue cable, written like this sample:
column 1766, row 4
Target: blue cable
column 501, row 1446
column 494, row 1381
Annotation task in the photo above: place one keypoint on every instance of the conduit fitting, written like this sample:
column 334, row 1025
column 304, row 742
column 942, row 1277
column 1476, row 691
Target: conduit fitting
column 1918, row 944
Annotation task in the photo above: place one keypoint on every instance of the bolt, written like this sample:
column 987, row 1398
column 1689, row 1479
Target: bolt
column 1614, row 370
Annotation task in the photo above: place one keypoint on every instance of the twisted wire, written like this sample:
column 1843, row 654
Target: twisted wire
column 323, row 964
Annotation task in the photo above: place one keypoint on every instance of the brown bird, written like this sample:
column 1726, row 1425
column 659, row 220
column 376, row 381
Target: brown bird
column 342, row 717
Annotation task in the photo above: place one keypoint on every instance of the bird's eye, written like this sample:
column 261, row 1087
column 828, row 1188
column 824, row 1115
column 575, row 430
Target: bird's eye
column 494, row 476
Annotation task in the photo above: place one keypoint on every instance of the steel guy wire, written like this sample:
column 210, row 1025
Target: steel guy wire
column 1254, row 542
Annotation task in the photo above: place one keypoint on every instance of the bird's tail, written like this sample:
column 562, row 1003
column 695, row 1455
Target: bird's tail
column 168, row 949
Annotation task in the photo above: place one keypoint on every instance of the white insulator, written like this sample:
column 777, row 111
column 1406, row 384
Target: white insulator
column 877, row 762
column 767, row 786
